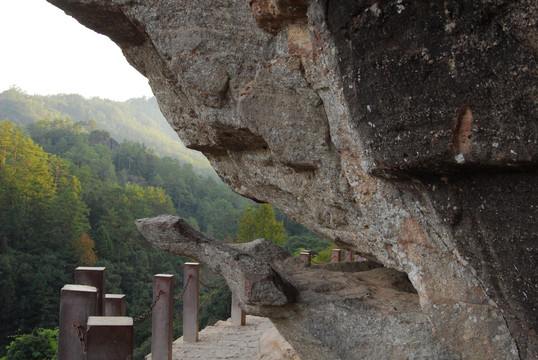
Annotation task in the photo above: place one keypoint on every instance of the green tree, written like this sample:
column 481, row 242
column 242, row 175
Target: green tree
column 260, row 223
column 41, row 344
column 41, row 214
column 103, row 243
column 26, row 186
column 324, row 256
column 56, row 135
column 312, row 243
column 68, row 212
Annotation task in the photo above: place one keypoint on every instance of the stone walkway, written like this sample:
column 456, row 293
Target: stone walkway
column 224, row 341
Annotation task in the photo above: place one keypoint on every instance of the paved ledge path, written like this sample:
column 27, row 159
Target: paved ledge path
column 224, row 341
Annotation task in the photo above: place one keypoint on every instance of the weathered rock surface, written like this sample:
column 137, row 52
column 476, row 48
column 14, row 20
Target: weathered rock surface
column 274, row 347
column 254, row 282
column 403, row 130
column 334, row 311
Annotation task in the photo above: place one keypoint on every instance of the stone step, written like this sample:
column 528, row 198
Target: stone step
column 225, row 340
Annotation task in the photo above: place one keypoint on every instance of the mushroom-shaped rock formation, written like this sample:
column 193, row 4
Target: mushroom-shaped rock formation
column 320, row 308
column 402, row 130
column 255, row 282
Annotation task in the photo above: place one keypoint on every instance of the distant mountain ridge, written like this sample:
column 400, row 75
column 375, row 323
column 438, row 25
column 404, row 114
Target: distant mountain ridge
column 137, row 120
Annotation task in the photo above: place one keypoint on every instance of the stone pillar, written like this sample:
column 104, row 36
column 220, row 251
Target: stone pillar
column 162, row 319
column 93, row 276
column 109, row 338
column 77, row 303
column 336, row 256
column 238, row 315
column 190, row 302
column 306, row 257
column 114, row 305
column 348, row 256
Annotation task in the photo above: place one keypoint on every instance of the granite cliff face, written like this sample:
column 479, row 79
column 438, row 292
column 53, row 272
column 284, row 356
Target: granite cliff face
column 402, row 130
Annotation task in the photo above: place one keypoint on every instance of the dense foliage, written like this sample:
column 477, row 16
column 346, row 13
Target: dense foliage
column 41, row 344
column 76, row 207
column 260, row 223
column 41, row 215
column 69, row 196
column 138, row 120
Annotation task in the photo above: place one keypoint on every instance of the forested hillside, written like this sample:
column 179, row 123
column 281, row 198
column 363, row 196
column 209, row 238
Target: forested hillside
column 72, row 202
column 69, row 194
column 137, row 120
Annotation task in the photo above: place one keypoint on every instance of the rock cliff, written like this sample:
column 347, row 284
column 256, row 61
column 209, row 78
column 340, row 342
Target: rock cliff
column 403, row 130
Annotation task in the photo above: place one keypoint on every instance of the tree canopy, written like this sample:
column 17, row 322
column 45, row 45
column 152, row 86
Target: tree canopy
column 41, row 344
column 76, row 205
column 260, row 223
column 69, row 195
column 137, row 120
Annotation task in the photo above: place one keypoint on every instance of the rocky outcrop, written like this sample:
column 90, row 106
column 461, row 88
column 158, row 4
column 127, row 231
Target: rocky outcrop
column 332, row 311
column 402, row 130
column 255, row 282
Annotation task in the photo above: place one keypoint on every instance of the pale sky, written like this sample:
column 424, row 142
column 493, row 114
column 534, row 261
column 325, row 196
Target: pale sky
column 43, row 51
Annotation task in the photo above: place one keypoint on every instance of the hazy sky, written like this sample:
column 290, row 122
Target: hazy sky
column 43, row 51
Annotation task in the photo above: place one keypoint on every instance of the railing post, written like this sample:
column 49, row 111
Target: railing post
column 114, row 305
column 109, row 338
column 93, row 276
column 77, row 302
column 238, row 315
column 347, row 256
column 162, row 319
column 191, row 273
column 306, row 257
column 336, row 256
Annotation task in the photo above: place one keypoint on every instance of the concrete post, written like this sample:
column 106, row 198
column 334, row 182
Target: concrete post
column 77, row 303
column 109, row 338
column 93, row 276
column 306, row 257
column 190, row 302
column 114, row 305
column 162, row 319
column 336, row 256
column 239, row 317
column 347, row 256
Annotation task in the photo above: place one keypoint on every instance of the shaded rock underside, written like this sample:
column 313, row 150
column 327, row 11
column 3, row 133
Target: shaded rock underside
column 403, row 130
